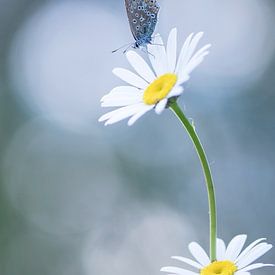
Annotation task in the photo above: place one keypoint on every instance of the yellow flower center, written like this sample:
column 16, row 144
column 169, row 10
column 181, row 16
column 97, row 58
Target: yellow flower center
column 219, row 267
column 159, row 89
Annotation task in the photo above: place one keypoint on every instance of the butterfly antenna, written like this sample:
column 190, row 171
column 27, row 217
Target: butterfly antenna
column 128, row 45
column 145, row 50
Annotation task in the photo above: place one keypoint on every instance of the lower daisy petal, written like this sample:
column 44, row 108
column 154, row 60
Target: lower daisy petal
column 251, row 246
column 221, row 248
column 254, row 254
column 247, row 250
column 234, row 247
column 199, row 254
column 223, row 265
column 256, row 266
column 187, row 261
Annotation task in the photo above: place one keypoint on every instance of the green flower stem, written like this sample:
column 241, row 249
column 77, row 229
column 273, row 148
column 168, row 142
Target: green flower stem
column 207, row 174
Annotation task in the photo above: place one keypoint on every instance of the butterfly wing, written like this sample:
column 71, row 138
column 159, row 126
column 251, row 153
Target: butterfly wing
column 142, row 16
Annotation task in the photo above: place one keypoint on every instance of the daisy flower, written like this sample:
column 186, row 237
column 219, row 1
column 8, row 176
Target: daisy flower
column 148, row 88
column 230, row 260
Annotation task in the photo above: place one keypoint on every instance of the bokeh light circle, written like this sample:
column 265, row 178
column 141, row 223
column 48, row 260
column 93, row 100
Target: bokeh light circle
column 61, row 61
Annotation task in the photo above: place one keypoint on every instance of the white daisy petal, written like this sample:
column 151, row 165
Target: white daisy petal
column 122, row 95
column 178, row 90
column 256, row 266
column 124, row 111
column 234, row 247
column 190, row 66
column 253, row 244
column 199, row 254
column 138, row 115
column 122, row 91
column 183, row 52
column 122, row 101
column 187, row 51
column 130, row 78
column 193, row 45
column 157, row 56
column 177, row 270
column 125, row 95
column 255, row 253
column 108, row 115
column 140, row 66
column 220, row 250
column 201, row 51
column 129, row 111
column 188, row 261
column 161, row 106
column 172, row 49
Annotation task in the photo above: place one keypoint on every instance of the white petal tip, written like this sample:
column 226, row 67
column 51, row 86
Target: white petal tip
column 114, row 71
column 198, row 36
column 174, row 30
column 103, row 98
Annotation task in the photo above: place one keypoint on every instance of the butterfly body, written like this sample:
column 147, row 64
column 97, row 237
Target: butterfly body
column 142, row 16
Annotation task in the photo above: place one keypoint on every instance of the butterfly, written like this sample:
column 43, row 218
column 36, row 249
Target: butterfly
column 142, row 17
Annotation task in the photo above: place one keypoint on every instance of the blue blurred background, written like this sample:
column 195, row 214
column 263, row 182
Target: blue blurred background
column 81, row 198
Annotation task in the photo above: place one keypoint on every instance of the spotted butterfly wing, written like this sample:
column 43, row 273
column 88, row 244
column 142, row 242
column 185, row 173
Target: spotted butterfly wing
column 143, row 17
